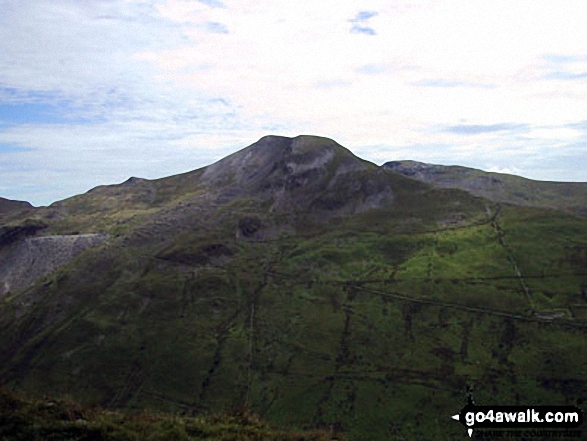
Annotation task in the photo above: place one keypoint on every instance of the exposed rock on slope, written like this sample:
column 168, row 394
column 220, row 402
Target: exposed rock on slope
column 498, row 187
column 275, row 156
column 13, row 233
column 302, row 173
column 33, row 257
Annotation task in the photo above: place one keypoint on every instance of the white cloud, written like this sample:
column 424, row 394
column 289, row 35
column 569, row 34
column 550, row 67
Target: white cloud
column 506, row 170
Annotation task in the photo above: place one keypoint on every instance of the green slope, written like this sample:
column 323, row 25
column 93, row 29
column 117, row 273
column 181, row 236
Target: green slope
column 65, row 420
column 288, row 294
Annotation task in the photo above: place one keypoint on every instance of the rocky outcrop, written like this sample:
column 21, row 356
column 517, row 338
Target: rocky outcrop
column 24, row 261
column 13, row 233
column 267, row 162
column 305, row 173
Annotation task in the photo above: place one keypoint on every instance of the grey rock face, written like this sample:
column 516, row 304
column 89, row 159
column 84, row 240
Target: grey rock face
column 305, row 173
column 28, row 259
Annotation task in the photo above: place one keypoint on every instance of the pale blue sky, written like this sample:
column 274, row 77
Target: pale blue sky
column 97, row 91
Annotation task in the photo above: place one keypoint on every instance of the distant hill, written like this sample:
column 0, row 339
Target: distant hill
column 8, row 205
column 301, row 283
column 499, row 187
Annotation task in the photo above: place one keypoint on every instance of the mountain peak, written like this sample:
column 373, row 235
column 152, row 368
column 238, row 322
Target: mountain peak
column 308, row 141
column 277, row 156
column 292, row 172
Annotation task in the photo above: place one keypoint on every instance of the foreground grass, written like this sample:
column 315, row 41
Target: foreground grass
column 48, row 419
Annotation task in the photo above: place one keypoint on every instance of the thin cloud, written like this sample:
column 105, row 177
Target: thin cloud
column 45, row 109
column 213, row 3
column 363, row 30
column 381, row 153
column 360, row 23
column 581, row 125
column 216, row 28
column 372, row 69
column 4, row 148
column 364, row 16
column 439, row 82
column 565, row 76
column 564, row 59
column 560, row 67
column 476, row 129
column 332, row 84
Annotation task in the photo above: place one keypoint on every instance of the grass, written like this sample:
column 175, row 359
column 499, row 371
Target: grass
column 63, row 419
column 366, row 332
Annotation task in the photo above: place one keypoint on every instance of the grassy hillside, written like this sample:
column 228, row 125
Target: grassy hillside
column 296, row 303
column 47, row 419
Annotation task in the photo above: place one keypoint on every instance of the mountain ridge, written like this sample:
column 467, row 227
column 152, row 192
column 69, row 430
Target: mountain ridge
column 498, row 187
column 284, row 175
column 287, row 154
column 304, row 284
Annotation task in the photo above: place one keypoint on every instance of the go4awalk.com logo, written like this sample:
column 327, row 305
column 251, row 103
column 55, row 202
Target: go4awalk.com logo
column 509, row 418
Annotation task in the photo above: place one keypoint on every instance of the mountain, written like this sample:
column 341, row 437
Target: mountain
column 10, row 207
column 7, row 205
column 302, row 283
column 498, row 187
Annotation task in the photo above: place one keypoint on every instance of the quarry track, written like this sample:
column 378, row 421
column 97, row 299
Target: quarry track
column 360, row 286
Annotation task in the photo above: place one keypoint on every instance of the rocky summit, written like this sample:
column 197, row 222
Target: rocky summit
column 303, row 284
column 301, row 174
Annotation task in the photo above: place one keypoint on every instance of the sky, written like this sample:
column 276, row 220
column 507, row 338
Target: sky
column 93, row 92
